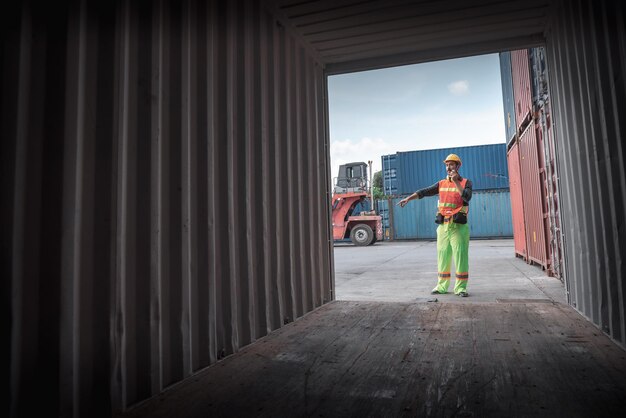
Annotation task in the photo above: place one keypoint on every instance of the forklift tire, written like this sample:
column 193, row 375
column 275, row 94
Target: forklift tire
column 362, row 235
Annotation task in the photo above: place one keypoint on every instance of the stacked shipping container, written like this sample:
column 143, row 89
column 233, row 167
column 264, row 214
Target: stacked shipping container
column 533, row 202
column 555, row 237
column 406, row 172
column 547, row 153
column 490, row 214
column 517, row 211
column 531, row 160
column 522, row 95
column 507, row 96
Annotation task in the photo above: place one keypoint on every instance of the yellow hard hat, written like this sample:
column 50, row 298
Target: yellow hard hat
column 452, row 157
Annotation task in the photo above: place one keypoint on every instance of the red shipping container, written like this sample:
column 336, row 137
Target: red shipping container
column 517, row 205
column 532, row 172
column 522, row 91
column 545, row 137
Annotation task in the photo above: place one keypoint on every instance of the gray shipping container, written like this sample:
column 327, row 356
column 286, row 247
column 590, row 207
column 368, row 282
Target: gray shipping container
column 508, row 102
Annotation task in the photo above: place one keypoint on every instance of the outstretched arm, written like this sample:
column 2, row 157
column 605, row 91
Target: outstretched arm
column 408, row 199
column 429, row 191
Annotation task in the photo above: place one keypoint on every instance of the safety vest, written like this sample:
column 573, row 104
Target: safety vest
column 450, row 201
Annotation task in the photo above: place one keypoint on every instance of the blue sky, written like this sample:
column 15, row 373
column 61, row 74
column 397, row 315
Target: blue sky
column 414, row 107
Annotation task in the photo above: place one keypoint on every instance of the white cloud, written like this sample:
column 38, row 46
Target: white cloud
column 364, row 149
column 459, row 88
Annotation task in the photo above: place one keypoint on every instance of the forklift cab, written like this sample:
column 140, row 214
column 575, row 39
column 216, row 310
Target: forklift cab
column 352, row 178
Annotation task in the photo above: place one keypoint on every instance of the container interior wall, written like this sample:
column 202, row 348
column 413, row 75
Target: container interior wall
column 587, row 69
column 144, row 170
column 153, row 158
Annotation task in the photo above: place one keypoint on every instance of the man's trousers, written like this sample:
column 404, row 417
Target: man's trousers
column 452, row 242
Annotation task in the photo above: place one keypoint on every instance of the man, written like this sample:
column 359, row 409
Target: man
column 454, row 193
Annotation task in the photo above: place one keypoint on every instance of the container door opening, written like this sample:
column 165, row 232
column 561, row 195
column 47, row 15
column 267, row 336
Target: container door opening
column 493, row 111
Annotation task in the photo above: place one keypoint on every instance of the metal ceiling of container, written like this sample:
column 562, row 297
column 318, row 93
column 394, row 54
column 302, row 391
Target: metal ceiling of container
column 353, row 35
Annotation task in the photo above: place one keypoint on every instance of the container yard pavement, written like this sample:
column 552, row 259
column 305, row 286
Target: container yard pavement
column 406, row 271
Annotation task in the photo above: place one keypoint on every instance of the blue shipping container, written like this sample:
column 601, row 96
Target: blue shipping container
column 490, row 217
column 383, row 211
column 508, row 101
column 485, row 165
column 390, row 170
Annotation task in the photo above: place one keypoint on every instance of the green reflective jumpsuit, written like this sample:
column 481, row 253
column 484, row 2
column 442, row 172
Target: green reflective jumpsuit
column 452, row 237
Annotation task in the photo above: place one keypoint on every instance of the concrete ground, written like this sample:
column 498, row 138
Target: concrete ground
column 406, row 271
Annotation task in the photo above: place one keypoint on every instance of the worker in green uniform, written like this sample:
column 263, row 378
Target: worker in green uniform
column 453, row 234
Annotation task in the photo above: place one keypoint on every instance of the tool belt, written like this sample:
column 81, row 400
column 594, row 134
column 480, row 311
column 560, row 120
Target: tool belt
column 457, row 218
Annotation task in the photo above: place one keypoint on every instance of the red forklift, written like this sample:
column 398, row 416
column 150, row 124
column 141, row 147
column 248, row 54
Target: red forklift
column 352, row 191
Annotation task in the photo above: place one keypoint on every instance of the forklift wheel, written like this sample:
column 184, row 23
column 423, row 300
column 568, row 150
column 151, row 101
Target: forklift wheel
column 362, row 235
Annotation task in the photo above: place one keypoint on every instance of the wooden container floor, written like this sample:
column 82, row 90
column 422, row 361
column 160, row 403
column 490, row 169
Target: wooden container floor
column 516, row 358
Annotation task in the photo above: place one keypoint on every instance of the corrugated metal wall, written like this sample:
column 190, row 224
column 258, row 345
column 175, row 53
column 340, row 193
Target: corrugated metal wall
column 154, row 155
column 517, row 200
column 390, row 174
column 532, row 170
column 490, row 216
column 522, row 91
column 508, row 100
column 149, row 153
column 538, row 77
column 586, row 57
column 552, row 190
